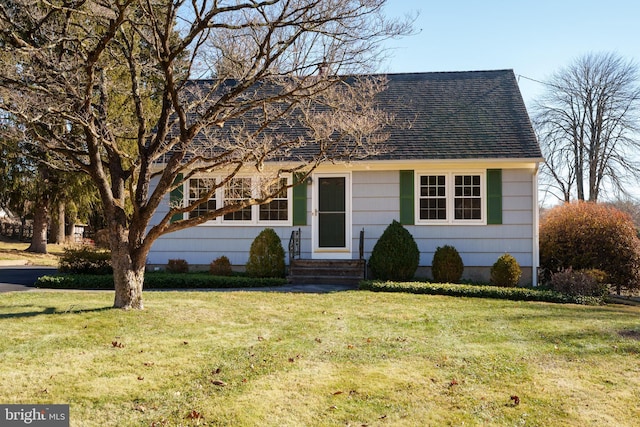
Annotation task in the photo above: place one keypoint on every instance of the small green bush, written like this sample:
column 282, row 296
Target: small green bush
column 395, row 255
column 506, row 272
column 266, row 255
column 221, row 267
column 177, row 266
column 85, row 260
column 588, row 282
column 447, row 266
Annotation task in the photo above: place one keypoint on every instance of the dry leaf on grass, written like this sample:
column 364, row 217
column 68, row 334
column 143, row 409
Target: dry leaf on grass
column 194, row 415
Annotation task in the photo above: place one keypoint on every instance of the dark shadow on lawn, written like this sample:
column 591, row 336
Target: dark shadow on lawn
column 49, row 311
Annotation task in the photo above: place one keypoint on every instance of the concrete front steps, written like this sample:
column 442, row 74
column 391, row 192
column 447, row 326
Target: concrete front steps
column 326, row 271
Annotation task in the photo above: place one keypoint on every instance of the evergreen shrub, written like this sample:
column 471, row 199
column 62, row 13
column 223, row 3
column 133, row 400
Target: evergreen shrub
column 506, row 272
column 447, row 265
column 395, row 255
column 266, row 255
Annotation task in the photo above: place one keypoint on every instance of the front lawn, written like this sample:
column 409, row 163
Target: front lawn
column 12, row 250
column 350, row 358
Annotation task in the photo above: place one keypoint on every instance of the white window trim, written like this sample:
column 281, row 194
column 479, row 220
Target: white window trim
column 449, row 194
column 255, row 209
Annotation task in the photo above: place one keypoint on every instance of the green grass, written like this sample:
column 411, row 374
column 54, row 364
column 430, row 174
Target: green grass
column 11, row 250
column 351, row 358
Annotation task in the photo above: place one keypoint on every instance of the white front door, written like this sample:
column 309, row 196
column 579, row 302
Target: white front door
column 331, row 219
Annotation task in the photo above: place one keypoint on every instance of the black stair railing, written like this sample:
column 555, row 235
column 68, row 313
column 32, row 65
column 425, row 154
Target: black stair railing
column 294, row 245
column 361, row 247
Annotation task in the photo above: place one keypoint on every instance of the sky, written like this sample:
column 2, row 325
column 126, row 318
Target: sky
column 533, row 38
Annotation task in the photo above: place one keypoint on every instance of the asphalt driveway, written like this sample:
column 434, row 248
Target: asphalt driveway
column 21, row 278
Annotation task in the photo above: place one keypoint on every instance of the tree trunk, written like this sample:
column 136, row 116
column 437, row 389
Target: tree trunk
column 40, row 219
column 69, row 232
column 128, row 272
column 128, row 282
column 579, row 166
column 57, row 225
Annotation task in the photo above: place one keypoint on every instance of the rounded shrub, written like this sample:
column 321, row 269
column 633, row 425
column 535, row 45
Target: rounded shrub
column 177, row 266
column 586, row 235
column 506, row 272
column 395, row 255
column 266, row 256
column 221, row 266
column 447, row 266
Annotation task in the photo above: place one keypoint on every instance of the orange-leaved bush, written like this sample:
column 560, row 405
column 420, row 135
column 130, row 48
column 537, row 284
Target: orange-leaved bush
column 584, row 235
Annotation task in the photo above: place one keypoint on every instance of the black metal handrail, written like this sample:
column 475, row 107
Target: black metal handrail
column 294, row 245
column 362, row 244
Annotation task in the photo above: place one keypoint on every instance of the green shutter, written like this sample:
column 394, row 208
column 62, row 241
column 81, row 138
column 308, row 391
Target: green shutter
column 407, row 208
column 299, row 200
column 177, row 196
column 494, row 196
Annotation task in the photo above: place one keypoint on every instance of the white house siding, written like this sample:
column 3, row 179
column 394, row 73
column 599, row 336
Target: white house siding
column 202, row 244
column 375, row 204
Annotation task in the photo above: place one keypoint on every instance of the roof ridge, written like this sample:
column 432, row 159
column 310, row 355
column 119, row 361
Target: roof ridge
column 444, row 72
column 408, row 73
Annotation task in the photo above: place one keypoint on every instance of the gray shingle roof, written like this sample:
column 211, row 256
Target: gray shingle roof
column 441, row 115
column 458, row 115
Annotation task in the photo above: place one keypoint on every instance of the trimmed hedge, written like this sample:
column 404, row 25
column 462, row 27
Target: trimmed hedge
column 158, row 281
column 478, row 291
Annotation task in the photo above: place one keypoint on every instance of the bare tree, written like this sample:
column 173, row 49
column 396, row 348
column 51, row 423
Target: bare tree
column 587, row 122
column 105, row 87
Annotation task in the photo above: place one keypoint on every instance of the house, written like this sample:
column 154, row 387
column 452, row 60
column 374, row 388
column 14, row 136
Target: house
column 462, row 172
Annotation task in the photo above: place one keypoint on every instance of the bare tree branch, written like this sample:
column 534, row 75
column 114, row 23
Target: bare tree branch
column 588, row 126
column 108, row 86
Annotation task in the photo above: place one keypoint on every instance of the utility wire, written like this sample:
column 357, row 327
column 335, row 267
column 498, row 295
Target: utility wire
column 539, row 81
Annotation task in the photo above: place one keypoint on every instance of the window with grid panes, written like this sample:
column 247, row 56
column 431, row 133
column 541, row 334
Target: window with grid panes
column 278, row 208
column 433, row 197
column 467, row 200
column 198, row 189
column 237, row 190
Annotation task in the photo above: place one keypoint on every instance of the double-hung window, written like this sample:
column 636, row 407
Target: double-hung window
column 199, row 188
column 237, row 189
column 467, row 198
column 278, row 208
column 449, row 198
column 433, row 197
